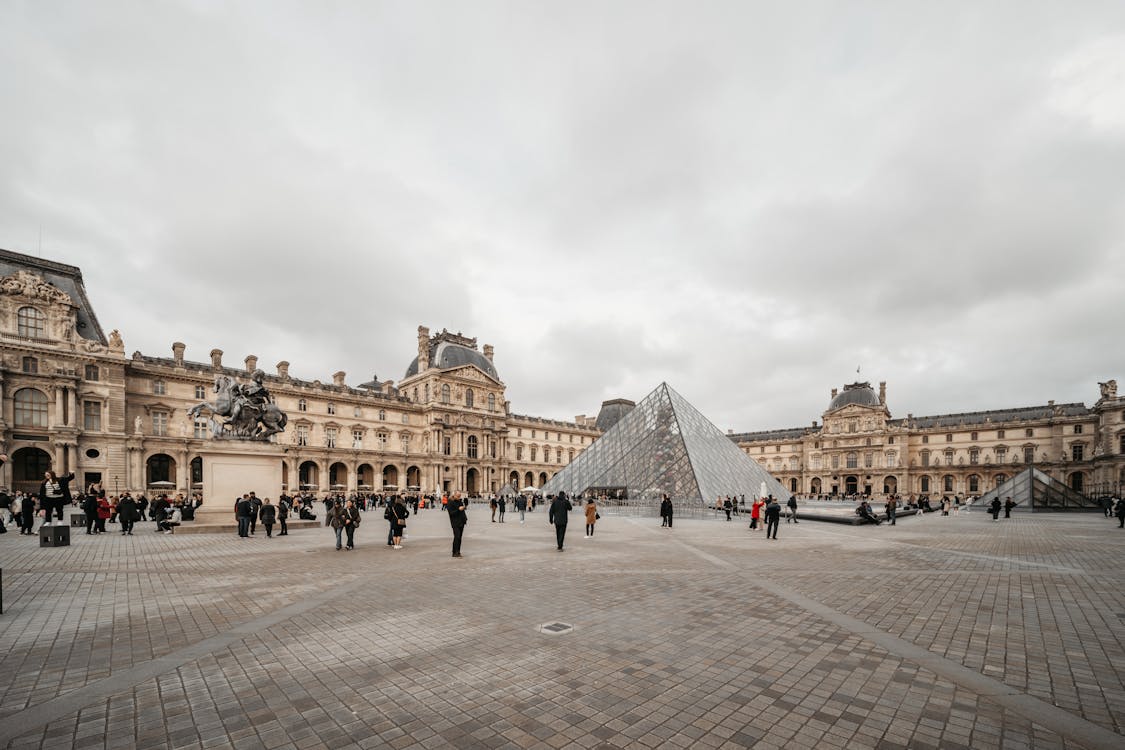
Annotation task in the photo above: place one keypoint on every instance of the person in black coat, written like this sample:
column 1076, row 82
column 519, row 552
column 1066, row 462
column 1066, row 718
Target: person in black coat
column 243, row 509
column 1008, row 505
column 127, row 514
column 1119, row 511
column 27, row 512
column 994, row 508
column 90, row 508
column 283, row 515
column 773, row 517
column 559, row 515
column 54, row 493
column 666, row 512
column 268, row 514
column 456, row 507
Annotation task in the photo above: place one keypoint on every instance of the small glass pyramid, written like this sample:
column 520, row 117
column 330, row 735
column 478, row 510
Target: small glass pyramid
column 665, row 445
column 1032, row 489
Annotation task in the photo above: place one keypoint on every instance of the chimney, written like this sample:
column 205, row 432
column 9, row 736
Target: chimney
column 488, row 350
column 251, row 362
column 423, row 348
column 216, row 358
column 178, row 353
column 389, row 387
column 338, row 378
column 883, row 393
column 283, row 370
column 1051, row 402
column 834, row 392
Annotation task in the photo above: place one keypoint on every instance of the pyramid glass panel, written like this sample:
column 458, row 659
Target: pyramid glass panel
column 665, row 445
column 1033, row 489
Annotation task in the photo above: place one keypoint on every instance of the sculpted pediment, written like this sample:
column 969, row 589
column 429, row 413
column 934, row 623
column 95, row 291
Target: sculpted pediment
column 470, row 372
column 33, row 286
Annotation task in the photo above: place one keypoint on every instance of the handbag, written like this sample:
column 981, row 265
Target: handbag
column 597, row 516
column 402, row 521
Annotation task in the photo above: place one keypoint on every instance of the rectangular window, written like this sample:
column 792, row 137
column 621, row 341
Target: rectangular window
column 999, row 434
column 835, row 460
column 532, row 450
column 159, row 388
column 853, row 461
column 159, row 422
column 519, row 452
column 405, row 440
column 949, row 437
column 972, row 436
column 332, row 408
column 200, row 392
column 816, row 462
column 891, row 440
column 31, row 365
column 92, row 415
column 330, row 437
column 302, row 434
column 492, row 449
column 381, row 440
column 357, row 438
column 1077, row 451
column 949, row 458
column 200, row 429
column 868, row 460
column 1001, row 453
column 92, row 372
column 447, row 446
column 558, row 455
column 1029, row 455
column 974, row 456
column 925, row 439
column 925, row 458
column 1077, row 429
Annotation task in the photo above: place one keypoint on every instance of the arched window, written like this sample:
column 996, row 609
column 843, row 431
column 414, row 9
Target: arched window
column 445, row 393
column 469, row 398
column 853, row 461
column 472, row 446
column 31, row 323
column 492, row 402
column 382, row 415
column 31, row 408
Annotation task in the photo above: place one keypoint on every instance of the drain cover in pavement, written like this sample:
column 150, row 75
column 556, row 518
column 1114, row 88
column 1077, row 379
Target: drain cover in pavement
column 555, row 628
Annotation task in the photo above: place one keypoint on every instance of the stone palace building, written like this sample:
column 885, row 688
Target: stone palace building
column 71, row 398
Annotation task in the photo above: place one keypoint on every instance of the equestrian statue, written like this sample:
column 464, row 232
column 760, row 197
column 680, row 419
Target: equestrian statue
column 248, row 410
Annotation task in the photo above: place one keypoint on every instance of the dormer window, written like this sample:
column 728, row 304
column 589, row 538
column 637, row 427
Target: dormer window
column 31, row 323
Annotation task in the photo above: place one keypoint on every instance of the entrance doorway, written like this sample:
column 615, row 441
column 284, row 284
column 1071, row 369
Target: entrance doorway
column 851, row 485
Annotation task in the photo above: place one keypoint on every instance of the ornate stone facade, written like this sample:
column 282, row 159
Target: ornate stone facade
column 860, row 448
column 72, row 399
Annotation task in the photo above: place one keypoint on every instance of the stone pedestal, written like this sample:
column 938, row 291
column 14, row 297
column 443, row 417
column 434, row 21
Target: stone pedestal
column 232, row 469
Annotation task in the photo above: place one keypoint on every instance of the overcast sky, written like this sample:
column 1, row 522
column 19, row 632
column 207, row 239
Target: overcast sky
column 746, row 200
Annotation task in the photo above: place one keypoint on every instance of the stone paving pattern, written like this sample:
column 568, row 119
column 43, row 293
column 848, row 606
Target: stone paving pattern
column 691, row 637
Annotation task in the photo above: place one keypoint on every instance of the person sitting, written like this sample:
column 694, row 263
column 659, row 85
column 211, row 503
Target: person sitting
column 305, row 514
column 169, row 524
column 864, row 512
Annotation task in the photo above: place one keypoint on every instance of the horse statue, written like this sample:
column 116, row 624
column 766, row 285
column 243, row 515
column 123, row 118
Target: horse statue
column 248, row 410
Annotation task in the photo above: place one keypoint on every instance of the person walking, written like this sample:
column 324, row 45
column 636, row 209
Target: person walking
column 455, row 507
column 521, row 506
column 666, row 512
column 351, row 522
column 399, row 514
column 127, row 514
column 255, row 509
column 268, row 514
column 103, row 512
column 773, row 517
column 994, row 508
column 792, row 504
column 592, row 517
column 1119, row 511
column 493, row 506
column 335, row 519
column 728, row 506
column 892, row 508
column 503, row 504
column 242, row 511
column 558, row 515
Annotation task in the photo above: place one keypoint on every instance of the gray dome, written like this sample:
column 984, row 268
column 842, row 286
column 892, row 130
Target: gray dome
column 855, row 393
column 446, row 355
column 612, row 412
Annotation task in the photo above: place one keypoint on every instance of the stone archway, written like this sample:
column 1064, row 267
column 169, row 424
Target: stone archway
column 390, row 477
column 890, row 485
column 472, row 482
column 851, row 485
column 160, row 472
column 814, row 486
column 413, row 478
column 308, row 476
column 337, row 477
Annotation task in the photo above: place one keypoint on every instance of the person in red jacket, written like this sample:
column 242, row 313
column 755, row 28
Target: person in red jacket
column 756, row 513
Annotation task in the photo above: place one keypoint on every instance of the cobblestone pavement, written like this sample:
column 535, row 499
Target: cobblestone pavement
column 955, row 632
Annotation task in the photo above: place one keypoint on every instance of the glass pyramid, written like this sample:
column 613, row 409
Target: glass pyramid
column 665, row 445
column 1032, row 489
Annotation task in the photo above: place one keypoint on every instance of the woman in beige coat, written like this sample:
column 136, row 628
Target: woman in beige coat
column 591, row 517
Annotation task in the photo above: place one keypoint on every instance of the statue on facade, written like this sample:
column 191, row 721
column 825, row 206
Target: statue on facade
column 247, row 408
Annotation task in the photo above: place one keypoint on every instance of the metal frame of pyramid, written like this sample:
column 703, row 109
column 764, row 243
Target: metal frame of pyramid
column 664, row 445
column 1034, row 490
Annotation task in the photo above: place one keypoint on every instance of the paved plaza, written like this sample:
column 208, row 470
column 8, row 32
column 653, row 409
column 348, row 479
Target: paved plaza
column 955, row 632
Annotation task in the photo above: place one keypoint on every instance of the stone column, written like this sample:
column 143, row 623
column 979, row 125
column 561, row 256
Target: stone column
column 183, row 473
column 72, row 412
column 72, row 459
column 60, row 397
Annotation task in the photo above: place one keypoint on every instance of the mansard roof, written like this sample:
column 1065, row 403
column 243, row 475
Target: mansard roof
column 63, row 277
